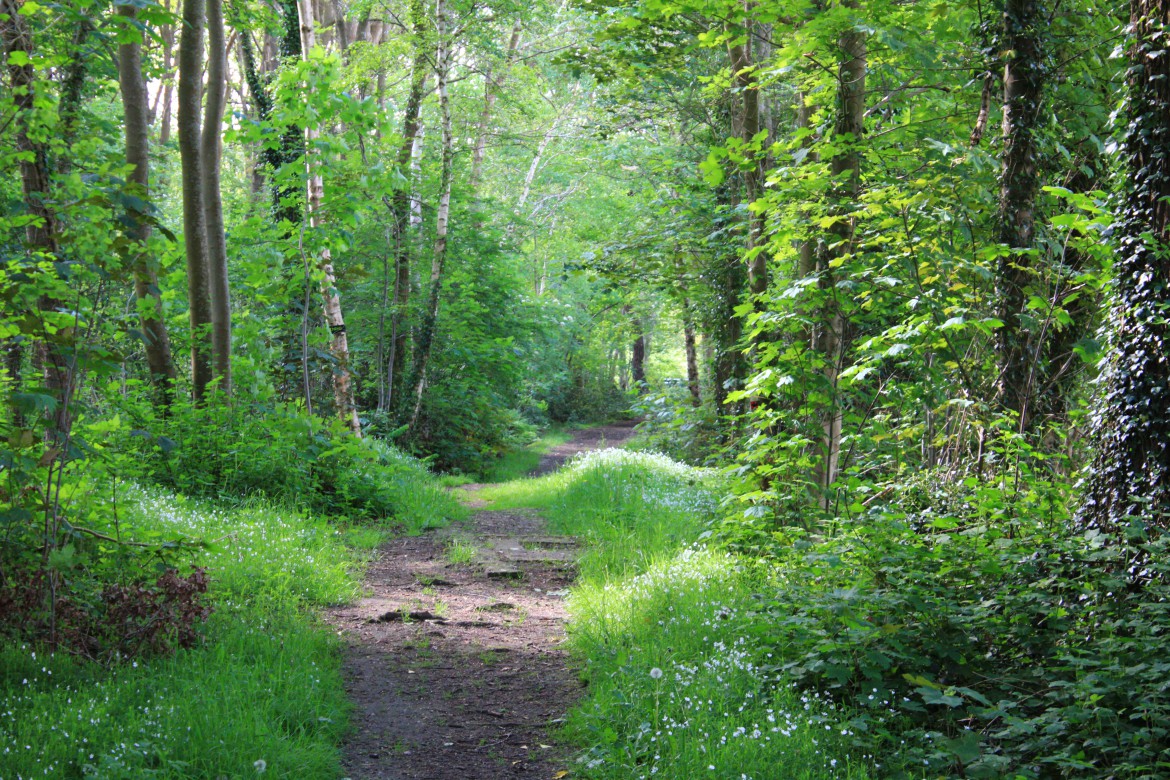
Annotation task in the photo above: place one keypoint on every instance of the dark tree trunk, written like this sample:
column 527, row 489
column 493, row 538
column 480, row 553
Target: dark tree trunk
column 747, row 123
column 690, row 343
column 1023, row 83
column 35, row 178
column 133, row 85
column 400, row 208
column 1130, row 479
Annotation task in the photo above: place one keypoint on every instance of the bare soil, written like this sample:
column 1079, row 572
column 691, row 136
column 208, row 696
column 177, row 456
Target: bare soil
column 458, row 670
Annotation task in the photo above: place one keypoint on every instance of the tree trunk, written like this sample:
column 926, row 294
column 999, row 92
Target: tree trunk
column 638, row 355
column 194, row 222
column 1022, row 96
column 534, row 166
column 833, row 334
column 491, row 90
column 168, row 46
column 154, row 329
column 401, row 213
column 41, row 233
column 692, row 355
column 211, row 154
column 748, row 124
column 431, row 316
column 1129, row 483
column 339, row 344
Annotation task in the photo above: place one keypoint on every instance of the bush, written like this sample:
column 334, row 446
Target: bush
column 240, row 449
column 979, row 650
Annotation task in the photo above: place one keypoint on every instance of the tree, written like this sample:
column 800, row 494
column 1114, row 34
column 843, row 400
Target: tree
column 343, row 396
column 137, row 120
column 194, row 178
column 1023, row 87
column 1128, row 487
column 211, row 154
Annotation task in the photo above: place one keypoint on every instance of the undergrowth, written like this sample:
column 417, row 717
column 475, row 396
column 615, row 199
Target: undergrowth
column 262, row 690
column 679, row 685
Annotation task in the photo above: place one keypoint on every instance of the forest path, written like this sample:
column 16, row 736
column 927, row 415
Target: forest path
column 457, row 670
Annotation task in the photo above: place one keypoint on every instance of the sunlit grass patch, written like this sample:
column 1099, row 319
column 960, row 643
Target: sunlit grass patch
column 265, row 688
column 459, row 552
column 679, row 688
column 258, row 550
column 518, row 463
column 262, row 690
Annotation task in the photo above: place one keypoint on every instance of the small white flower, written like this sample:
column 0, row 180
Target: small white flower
column 656, row 673
column 260, row 765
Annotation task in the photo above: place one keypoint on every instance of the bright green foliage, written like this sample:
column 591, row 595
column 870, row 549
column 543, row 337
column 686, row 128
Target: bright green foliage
column 664, row 630
column 276, row 451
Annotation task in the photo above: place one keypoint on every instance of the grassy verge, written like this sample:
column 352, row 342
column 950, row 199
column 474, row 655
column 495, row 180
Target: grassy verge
column 519, row 463
column 261, row 694
column 663, row 629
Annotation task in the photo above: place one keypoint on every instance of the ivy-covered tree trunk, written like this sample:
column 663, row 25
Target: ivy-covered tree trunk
column 41, row 233
column 343, row 396
column 137, row 120
column 833, row 332
column 747, row 125
column 1023, row 84
column 1129, row 484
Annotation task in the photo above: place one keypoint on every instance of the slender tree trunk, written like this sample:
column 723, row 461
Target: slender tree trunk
column 157, row 341
column 339, row 344
column 431, row 316
column 401, row 208
column 491, row 90
column 194, row 222
column 1023, row 84
column 211, row 153
column 1129, row 484
column 416, row 153
column 743, row 76
column 637, row 352
column 833, row 335
column 168, row 39
column 689, row 342
column 41, row 233
column 534, row 166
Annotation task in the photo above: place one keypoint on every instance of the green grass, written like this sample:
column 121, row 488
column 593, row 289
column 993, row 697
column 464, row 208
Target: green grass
column 460, row 552
column 519, row 463
column 264, row 686
column 664, row 631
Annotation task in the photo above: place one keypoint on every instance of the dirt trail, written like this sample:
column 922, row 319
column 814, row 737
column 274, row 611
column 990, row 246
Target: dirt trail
column 457, row 671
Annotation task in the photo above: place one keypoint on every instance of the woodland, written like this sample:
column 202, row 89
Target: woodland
column 885, row 286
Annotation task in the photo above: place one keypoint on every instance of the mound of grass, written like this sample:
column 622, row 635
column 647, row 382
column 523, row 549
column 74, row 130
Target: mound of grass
column 680, row 686
column 518, row 463
column 261, row 692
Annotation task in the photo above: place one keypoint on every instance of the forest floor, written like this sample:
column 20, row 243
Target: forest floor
column 454, row 660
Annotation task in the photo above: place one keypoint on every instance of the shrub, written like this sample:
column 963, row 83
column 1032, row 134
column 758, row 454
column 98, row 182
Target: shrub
column 233, row 450
column 978, row 650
